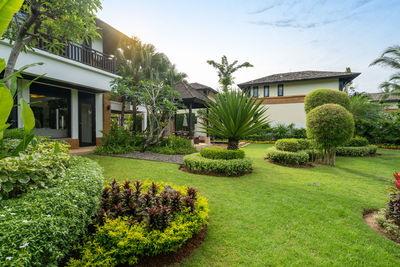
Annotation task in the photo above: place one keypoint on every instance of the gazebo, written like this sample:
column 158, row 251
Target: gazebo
column 191, row 98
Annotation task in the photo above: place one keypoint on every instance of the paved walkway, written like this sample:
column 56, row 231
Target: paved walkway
column 82, row 151
column 148, row 155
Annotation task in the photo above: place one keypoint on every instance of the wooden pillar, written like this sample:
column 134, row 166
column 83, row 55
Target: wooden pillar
column 190, row 121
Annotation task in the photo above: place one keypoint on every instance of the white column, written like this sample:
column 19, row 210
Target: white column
column 23, row 94
column 74, row 115
column 99, row 115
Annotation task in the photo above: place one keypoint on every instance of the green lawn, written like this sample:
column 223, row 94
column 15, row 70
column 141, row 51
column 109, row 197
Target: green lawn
column 276, row 216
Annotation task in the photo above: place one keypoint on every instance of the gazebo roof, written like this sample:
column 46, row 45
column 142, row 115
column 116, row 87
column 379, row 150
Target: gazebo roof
column 190, row 95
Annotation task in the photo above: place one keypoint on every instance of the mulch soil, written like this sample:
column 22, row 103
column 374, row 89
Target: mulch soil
column 369, row 219
column 176, row 257
column 184, row 169
column 309, row 165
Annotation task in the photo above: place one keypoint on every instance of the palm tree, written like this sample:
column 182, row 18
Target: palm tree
column 234, row 116
column 390, row 58
column 363, row 109
column 225, row 71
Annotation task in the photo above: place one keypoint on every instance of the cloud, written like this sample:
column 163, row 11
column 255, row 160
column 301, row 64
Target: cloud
column 263, row 9
column 292, row 23
column 361, row 3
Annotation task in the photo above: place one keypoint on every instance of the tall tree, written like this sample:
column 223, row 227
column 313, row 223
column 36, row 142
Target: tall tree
column 52, row 22
column 390, row 58
column 225, row 71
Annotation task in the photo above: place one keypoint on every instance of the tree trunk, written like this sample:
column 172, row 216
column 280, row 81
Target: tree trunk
column 123, row 111
column 233, row 144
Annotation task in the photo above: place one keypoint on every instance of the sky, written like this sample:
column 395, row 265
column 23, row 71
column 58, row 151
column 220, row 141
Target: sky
column 275, row 36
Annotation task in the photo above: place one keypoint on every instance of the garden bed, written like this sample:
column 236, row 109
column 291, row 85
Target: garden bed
column 184, row 169
column 369, row 219
column 306, row 166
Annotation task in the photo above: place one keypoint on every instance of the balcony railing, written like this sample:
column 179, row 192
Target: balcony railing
column 82, row 54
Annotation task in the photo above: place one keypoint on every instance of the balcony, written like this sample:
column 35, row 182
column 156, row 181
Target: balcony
column 84, row 55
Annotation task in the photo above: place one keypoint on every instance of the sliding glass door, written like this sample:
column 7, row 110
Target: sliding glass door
column 87, row 135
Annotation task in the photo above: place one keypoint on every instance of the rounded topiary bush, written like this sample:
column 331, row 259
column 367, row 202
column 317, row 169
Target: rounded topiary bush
column 197, row 163
column 221, row 153
column 292, row 144
column 325, row 96
column 357, row 141
column 330, row 125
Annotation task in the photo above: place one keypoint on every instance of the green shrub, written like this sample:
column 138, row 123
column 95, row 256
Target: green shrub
column 174, row 145
column 118, row 140
column 357, row 142
column 197, row 163
column 326, row 96
column 37, row 167
column 356, row 151
column 17, row 133
column 123, row 238
column 221, row 153
column 330, row 125
column 388, row 224
column 40, row 227
column 292, row 144
column 314, row 155
column 286, row 157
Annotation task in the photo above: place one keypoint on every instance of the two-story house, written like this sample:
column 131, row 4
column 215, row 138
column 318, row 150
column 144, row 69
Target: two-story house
column 284, row 93
column 69, row 101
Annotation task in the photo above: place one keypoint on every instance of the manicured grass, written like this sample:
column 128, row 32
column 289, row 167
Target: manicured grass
column 277, row 216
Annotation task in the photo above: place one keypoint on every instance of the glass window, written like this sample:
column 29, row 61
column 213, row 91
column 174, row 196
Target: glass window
column 51, row 107
column 266, row 90
column 255, row 91
column 280, row 89
column 248, row 92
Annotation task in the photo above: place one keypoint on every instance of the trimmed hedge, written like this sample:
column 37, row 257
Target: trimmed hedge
column 197, row 163
column 292, row 144
column 357, row 142
column 221, row 153
column 321, row 97
column 39, row 228
column 356, row 151
column 286, row 157
column 125, row 239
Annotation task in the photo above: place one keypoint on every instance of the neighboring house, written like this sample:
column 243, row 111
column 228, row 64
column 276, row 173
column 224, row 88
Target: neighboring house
column 71, row 101
column 284, row 93
column 205, row 90
column 391, row 103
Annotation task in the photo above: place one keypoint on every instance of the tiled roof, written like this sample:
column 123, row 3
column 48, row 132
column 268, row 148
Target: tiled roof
column 199, row 86
column 300, row 76
column 377, row 97
column 187, row 92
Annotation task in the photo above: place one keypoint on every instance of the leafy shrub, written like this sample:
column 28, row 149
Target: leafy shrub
column 38, row 228
column 125, row 235
column 356, row 151
column 330, row 125
column 197, row 163
column 314, row 155
column 388, row 224
column 174, row 145
column 286, row 157
column 221, row 153
column 292, row 144
column 326, row 96
column 118, row 140
column 37, row 167
column 17, row 133
column 280, row 131
column 357, row 142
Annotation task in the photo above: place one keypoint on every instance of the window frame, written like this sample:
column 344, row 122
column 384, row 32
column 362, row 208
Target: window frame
column 280, row 86
column 255, row 89
column 266, row 88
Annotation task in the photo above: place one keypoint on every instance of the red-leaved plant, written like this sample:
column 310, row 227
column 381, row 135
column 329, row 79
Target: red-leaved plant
column 393, row 206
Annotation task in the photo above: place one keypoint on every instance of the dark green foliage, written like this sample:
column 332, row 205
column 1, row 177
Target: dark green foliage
column 40, row 227
column 174, row 145
column 197, row 163
column 292, row 144
column 233, row 116
column 280, row 131
column 118, row 140
column 356, row 151
column 17, row 133
column 330, row 125
column 221, row 153
column 286, row 157
column 326, row 96
column 357, row 142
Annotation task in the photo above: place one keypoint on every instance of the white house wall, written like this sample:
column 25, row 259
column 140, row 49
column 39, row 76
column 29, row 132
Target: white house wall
column 61, row 69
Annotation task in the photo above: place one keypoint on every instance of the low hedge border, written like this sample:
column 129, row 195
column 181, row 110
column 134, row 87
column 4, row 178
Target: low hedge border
column 292, row 144
column 39, row 228
column 197, row 163
column 286, row 157
column 221, row 153
column 356, row 151
column 396, row 147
